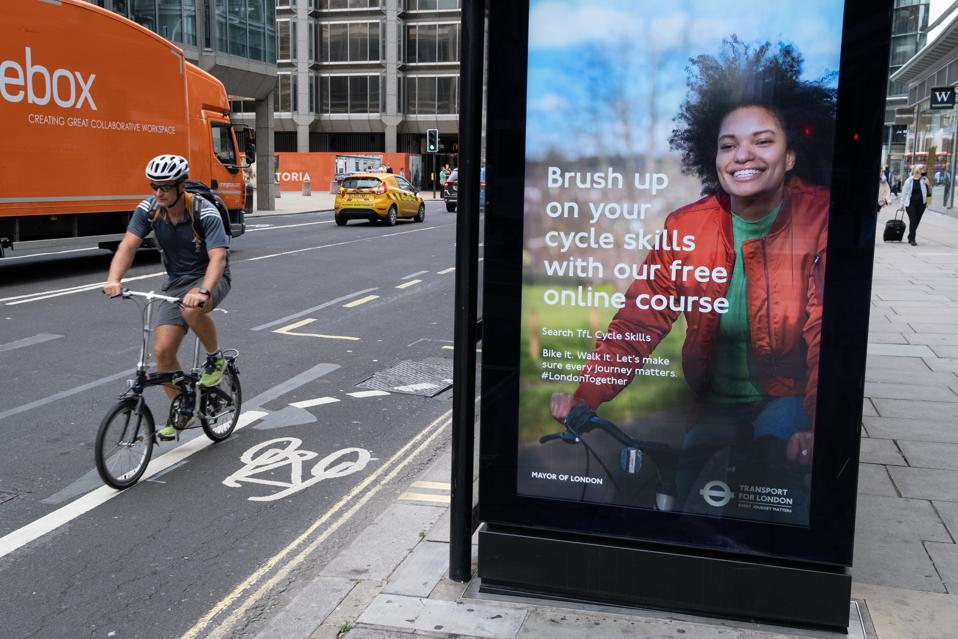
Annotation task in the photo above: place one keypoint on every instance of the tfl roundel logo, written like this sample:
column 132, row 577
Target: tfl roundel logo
column 716, row 493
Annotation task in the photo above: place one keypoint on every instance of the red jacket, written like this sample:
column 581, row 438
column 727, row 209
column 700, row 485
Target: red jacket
column 785, row 275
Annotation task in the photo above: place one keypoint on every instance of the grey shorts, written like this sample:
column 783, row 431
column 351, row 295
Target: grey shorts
column 170, row 314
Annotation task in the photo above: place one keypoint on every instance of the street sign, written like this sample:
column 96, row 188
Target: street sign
column 942, row 98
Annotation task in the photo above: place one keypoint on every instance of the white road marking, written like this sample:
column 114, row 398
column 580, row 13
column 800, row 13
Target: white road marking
column 39, row 338
column 310, row 310
column 361, row 239
column 408, row 284
column 447, row 270
column 43, row 295
column 270, row 227
column 361, row 300
column 23, row 257
column 319, row 401
column 284, row 451
column 48, row 523
column 372, row 484
column 36, row 297
column 412, row 275
column 369, row 393
column 449, row 348
column 414, row 387
column 288, row 330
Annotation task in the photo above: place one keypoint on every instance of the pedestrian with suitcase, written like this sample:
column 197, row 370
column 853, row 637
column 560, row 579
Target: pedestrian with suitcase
column 915, row 195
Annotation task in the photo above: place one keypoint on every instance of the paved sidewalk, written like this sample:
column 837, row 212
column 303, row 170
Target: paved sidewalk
column 390, row 582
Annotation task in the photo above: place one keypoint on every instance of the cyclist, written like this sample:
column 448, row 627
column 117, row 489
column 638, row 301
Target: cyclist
column 195, row 251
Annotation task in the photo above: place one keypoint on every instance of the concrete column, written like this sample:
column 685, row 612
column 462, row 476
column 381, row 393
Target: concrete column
column 303, row 117
column 266, row 189
column 391, row 117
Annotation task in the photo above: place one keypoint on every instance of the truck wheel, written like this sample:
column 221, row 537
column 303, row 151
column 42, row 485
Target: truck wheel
column 451, row 207
column 340, row 221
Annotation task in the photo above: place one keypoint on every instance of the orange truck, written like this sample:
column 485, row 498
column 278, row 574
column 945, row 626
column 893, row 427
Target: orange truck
column 87, row 97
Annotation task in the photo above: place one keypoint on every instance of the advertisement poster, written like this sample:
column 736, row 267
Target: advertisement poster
column 678, row 170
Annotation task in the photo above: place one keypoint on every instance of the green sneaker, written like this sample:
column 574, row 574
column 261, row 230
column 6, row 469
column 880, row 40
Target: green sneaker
column 166, row 434
column 213, row 371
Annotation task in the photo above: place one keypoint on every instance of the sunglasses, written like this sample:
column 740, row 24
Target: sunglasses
column 162, row 188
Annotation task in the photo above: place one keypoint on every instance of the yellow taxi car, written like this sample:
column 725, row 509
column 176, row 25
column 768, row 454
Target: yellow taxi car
column 378, row 197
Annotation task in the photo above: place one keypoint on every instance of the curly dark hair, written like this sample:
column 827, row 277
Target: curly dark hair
column 744, row 76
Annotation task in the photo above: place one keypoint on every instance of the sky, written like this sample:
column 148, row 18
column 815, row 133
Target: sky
column 593, row 63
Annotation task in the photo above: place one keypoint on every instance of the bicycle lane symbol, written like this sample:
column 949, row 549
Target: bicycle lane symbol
column 284, row 451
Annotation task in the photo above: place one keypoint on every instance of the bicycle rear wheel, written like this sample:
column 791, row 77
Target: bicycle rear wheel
column 124, row 444
column 220, row 406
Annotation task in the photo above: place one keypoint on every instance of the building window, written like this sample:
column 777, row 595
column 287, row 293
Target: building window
column 432, row 95
column 351, row 41
column 432, row 5
column 432, row 43
column 313, row 92
column 327, row 5
column 351, row 93
column 246, row 28
column 285, row 40
column 285, row 92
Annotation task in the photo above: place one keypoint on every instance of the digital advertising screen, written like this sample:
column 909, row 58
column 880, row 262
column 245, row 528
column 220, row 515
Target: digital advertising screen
column 677, row 180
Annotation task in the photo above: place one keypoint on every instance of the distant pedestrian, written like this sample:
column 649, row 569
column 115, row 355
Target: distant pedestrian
column 884, row 191
column 442, row 175
column 915, row 194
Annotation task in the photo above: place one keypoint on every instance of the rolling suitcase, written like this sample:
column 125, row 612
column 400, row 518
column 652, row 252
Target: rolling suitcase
column 895, row 227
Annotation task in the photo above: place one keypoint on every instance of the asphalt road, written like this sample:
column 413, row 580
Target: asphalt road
column 314, row 310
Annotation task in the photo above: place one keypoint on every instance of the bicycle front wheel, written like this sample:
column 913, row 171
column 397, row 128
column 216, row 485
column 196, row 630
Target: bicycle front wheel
column 220, row 406
column 124, row 443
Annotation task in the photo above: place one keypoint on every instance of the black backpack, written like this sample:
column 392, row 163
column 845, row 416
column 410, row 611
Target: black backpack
column 197, row 188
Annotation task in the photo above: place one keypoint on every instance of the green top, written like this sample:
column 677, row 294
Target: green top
column 731, row 380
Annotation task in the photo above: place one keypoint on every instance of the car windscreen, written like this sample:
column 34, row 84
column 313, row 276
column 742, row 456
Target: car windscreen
column 361, row 183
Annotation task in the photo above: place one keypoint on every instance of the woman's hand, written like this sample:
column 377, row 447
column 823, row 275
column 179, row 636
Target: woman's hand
column 561, row 404
column 800, row 447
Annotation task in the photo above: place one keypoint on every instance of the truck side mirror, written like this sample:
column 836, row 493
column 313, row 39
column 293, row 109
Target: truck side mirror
column 249, row 145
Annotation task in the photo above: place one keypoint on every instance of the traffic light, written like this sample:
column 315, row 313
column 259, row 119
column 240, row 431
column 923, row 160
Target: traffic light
column 432, row 140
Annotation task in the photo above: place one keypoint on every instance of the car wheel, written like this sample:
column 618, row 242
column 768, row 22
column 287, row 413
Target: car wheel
column 451, row 207
column 340, row 221
column 421, row 215
column 390, row 219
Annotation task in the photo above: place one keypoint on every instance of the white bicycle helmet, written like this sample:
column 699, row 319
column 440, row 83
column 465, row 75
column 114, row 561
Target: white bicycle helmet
column 167, row 168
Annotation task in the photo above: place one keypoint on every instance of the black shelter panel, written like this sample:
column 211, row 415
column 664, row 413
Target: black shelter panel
column 677, row 277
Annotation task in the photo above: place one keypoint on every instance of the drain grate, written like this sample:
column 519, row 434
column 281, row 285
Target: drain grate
column 426, row 378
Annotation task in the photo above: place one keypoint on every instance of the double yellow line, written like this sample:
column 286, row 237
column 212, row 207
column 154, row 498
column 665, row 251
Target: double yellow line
column 351, row 503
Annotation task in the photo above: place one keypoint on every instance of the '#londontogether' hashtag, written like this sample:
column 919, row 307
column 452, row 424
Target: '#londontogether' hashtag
column 545, row 374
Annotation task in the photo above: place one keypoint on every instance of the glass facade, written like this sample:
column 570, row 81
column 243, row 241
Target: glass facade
column 432, row 95
column 351, row 41
column 432, row 5
column 909, row 27
column 285, row 40
column 285, row 95
column 933, row 146
column 332, row 5
column 351, row 93
column 431, row 43
column 246, row 28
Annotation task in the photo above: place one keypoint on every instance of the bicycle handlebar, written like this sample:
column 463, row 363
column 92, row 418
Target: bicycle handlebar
column 582, row 419
column 126, row 293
